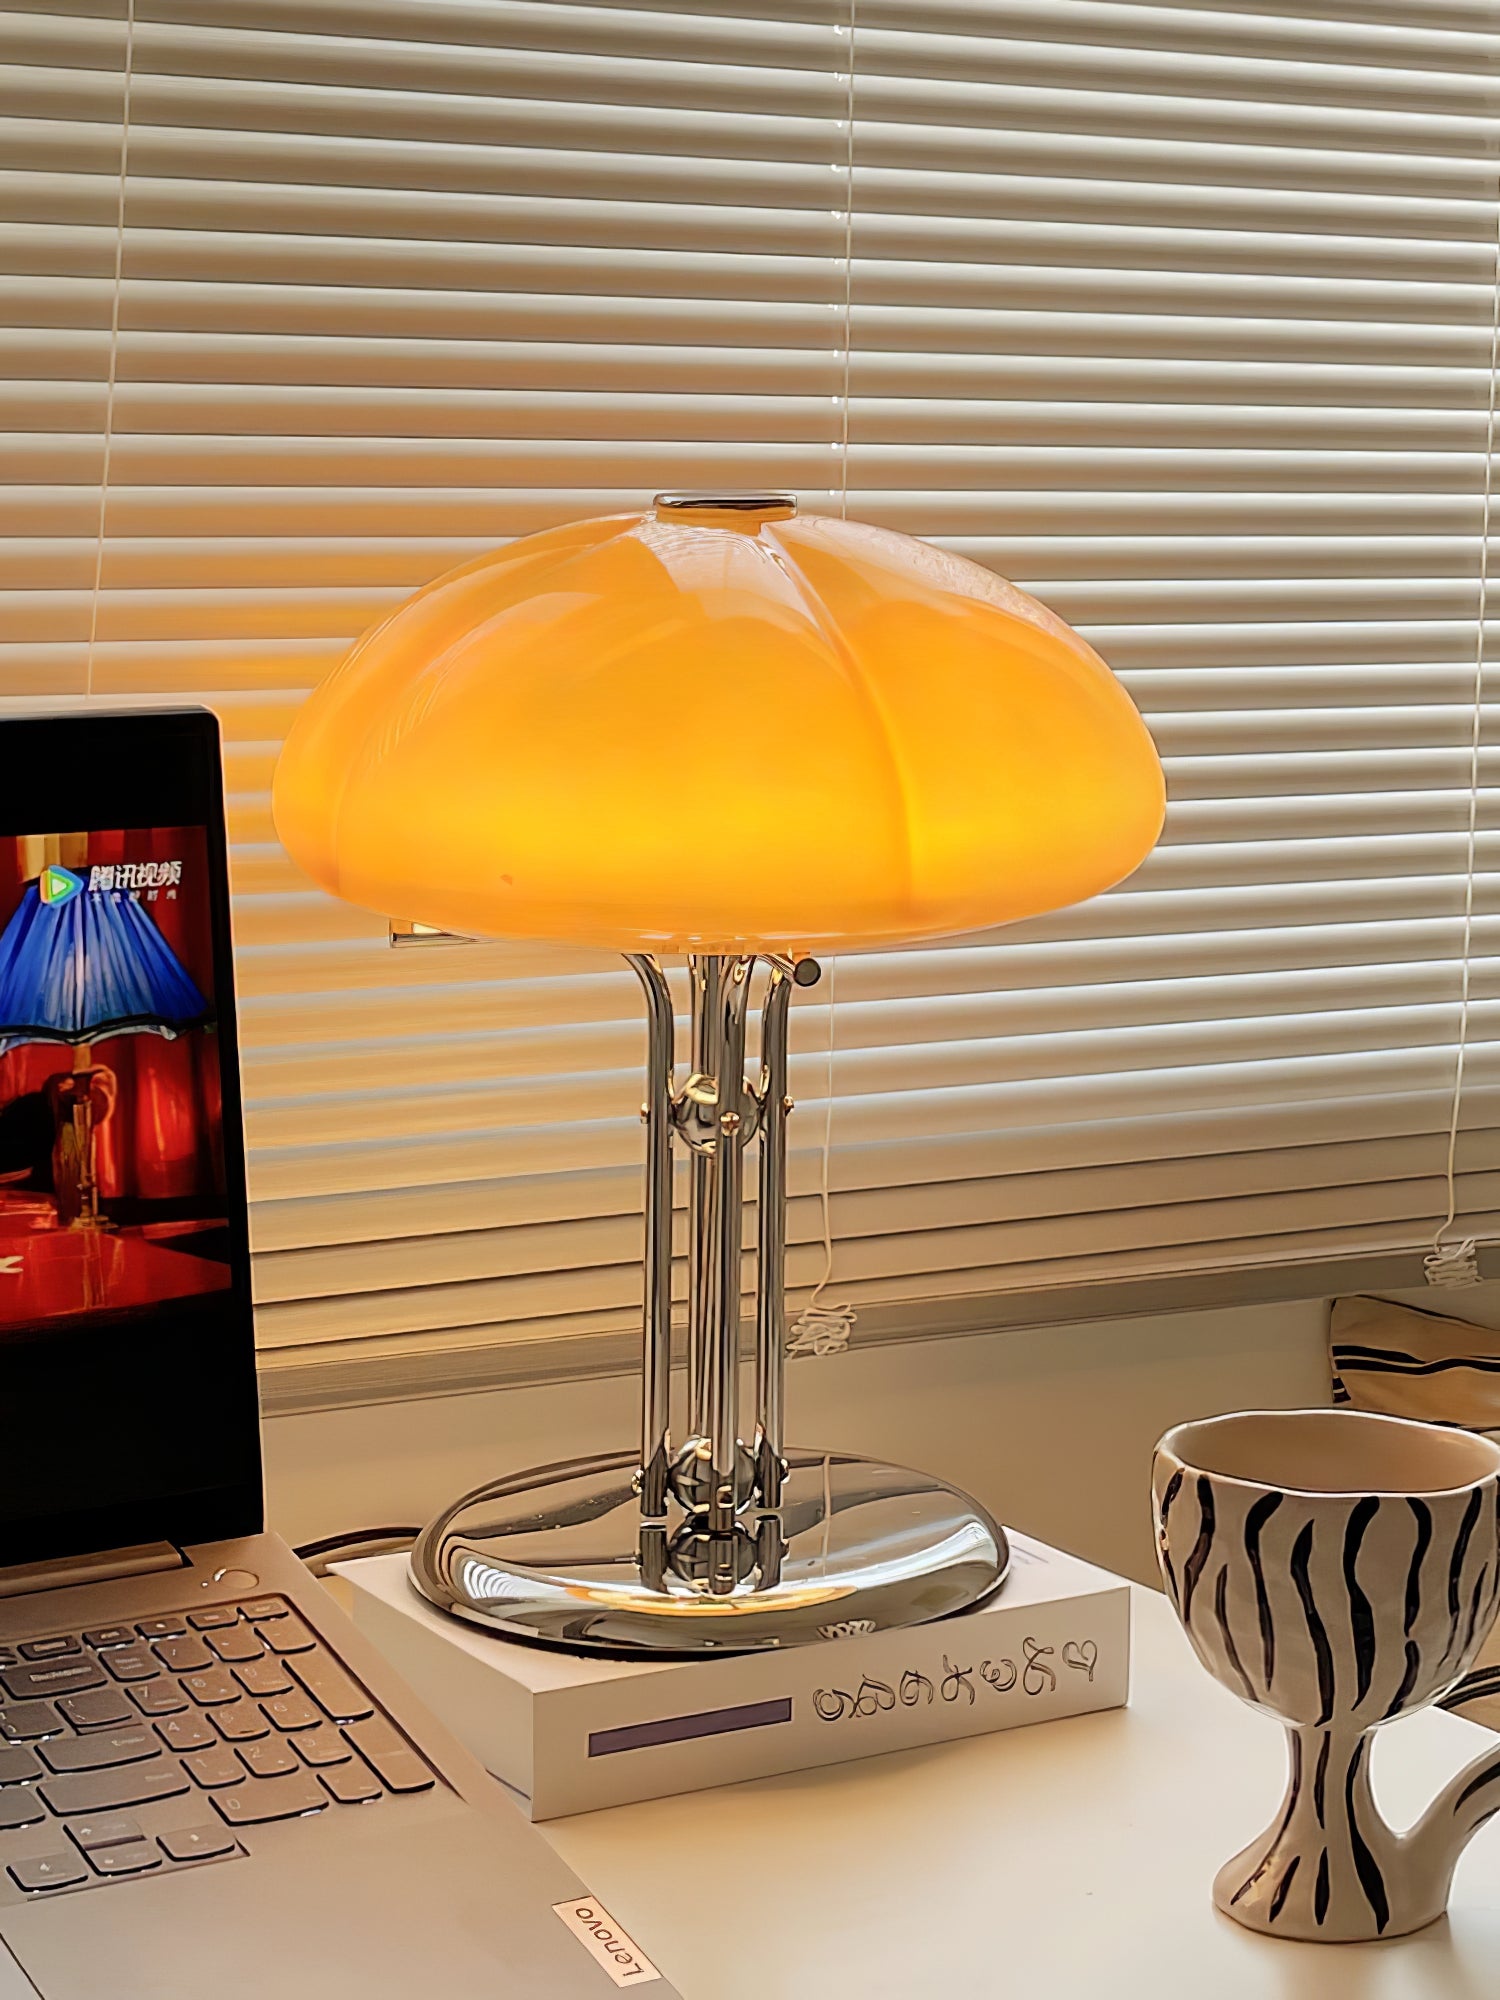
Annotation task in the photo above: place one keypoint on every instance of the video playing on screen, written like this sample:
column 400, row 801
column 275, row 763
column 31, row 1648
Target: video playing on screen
column 112, row 1200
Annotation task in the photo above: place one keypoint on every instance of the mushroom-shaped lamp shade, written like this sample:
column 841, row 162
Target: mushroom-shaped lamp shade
column 719, row 727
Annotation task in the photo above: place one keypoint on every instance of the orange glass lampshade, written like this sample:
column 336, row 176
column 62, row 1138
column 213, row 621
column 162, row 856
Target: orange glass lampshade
column 719, row 727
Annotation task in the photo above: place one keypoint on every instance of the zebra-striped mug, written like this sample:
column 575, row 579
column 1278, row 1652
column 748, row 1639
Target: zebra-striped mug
column 1336, row 1570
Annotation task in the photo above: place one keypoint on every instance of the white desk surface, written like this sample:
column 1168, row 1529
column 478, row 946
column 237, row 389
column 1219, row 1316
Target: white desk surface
column 1068, row 1859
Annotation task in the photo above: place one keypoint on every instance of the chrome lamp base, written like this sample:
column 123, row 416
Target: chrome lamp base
column 560, row 1554
column 715, row 1539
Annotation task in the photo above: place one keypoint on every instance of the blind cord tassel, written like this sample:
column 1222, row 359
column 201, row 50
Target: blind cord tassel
column 821, row 1330
column 1451, row 1265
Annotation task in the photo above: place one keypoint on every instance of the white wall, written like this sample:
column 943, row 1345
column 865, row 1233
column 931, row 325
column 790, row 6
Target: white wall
column 1052, row 1428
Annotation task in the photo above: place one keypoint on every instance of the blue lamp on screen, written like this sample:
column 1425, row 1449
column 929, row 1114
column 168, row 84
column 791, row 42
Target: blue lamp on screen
column 78, row 967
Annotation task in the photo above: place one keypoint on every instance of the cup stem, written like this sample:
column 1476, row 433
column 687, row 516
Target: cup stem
column 1329, row 1869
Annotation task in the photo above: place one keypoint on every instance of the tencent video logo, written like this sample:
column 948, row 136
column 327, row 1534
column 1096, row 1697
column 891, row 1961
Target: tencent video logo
column 56, row 885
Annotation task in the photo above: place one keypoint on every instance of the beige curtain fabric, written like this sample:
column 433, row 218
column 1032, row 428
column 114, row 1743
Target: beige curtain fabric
column 1402, row 1361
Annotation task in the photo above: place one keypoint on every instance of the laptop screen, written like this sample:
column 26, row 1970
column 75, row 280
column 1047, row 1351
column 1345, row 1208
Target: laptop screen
column 124, row 1328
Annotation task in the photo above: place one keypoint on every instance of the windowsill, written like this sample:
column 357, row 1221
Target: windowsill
column 1051, row 1428
column 339, row 1374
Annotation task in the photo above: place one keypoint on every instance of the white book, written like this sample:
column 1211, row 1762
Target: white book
column 572, row 1732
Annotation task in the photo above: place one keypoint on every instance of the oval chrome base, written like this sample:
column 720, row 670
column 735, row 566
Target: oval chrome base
column 559, row 1554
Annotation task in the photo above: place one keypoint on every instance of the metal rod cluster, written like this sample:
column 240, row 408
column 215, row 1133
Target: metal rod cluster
column 727, row 1486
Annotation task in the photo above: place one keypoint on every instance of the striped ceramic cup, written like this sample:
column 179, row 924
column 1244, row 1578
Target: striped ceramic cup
column 1337, row 1570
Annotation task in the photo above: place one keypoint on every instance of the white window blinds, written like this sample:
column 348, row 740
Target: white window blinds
column 1182, row 317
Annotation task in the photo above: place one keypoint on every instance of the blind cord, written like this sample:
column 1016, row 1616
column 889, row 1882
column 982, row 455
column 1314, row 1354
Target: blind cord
column 114, row 349
column 369, row 1541
column 825, row 1329
column 843, row 443
column 1450, row 1265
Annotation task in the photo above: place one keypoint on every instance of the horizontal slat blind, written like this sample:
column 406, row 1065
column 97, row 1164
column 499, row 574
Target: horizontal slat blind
column 1181, row 316
column 1184, row 319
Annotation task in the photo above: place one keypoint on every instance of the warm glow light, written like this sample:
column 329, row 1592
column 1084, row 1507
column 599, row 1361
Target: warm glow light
column 707, row 731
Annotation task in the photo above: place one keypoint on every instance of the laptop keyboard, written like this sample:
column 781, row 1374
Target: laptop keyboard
column 128, row 1750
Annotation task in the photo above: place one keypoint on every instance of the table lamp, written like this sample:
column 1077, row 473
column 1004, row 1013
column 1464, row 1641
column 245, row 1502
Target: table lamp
column 722, row 730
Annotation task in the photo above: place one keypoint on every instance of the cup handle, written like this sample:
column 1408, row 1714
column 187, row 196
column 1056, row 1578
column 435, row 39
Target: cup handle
column 1460, row 1809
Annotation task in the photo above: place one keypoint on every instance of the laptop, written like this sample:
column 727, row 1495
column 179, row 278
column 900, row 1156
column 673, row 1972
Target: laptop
column 210, row 1784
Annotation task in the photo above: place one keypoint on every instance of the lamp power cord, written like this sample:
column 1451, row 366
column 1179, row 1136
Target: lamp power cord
column 369, row 1541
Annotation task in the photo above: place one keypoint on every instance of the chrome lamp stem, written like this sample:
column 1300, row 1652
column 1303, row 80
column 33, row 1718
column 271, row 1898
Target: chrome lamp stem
column 711, row 1535
column 770, row 1296
column 656, row 1357
column 726, row 1484
column 703, row 982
